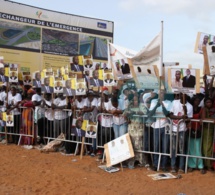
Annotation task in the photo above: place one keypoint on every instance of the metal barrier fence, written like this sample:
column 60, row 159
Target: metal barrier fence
column 159, row 143
column 163, row 143
column 51, row 123
column 197, row 146
column 22, row 130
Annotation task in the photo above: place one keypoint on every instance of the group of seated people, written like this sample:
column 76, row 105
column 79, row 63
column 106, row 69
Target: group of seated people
column 147, row 115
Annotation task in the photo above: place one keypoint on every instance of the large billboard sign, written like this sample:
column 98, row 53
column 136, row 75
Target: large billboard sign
column 38, row 38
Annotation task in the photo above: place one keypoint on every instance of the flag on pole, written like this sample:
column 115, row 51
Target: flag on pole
column 150, row 55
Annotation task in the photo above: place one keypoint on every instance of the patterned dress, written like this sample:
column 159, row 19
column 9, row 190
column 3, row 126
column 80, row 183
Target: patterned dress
column 135, row 130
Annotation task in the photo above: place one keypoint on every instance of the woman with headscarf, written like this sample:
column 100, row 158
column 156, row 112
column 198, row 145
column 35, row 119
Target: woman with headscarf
column 135, row 129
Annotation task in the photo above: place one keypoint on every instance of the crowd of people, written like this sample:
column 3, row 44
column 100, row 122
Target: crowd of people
column 148, row 116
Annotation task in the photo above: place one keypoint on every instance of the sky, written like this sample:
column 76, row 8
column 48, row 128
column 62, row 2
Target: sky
column 137, row 22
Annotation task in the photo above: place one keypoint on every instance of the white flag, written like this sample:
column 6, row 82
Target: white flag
column 149, row 55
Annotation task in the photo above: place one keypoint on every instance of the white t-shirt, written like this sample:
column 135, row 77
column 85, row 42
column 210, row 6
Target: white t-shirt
column 49, row 113
column 3, row 96
column 177, row 110
column 13, row 100
column 106, row 120
column 91, row 115
column 118, row 120
column 79, row 105
column 60, row 114
column 39, row 112
column 160, row 122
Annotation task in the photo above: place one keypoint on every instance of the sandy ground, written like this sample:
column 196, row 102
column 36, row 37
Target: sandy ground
column 29, row 172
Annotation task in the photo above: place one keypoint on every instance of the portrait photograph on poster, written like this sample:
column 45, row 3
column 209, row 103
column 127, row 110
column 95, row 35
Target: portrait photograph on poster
column 47, row 85
column 37, row 79
column 121, row 69
column 91, row 130
column 184, row 80
column 97, row 78
column 211, row 58
column 27, row 80
column 88, row 64
column 13, row 67
column 69, row 89
column 80, row 87
column 58, row 86
column 9, row 120
column 202, row 40
column 109, row 78
column 13, row 76
column 79, row 127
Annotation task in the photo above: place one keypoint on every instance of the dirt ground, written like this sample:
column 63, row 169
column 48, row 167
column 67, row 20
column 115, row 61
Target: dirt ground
column 29, row 172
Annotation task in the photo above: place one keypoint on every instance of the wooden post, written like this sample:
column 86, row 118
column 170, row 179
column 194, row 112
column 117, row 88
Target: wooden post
column 82, row 147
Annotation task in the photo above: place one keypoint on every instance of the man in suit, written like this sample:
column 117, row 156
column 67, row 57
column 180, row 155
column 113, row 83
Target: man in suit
column 88, row 65
column 108, row 80
column 77, row 131
column 3, row 78
column 67, row 89
column 58, row 86
column 91, row 130
column 74, row 63
column 13, row 76
column 46, row 88
column 9, row 120
column 95, row 81
column 125, row 67
column 189, row 80
column 27, row 79
column 80, row 88
column 37, row 80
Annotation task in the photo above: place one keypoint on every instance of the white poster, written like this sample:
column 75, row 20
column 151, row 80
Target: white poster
column 119, row 150
column 211, row 58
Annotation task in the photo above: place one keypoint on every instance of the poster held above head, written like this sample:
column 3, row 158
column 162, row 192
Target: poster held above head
column 210, row 49
column 88, row 63
column 47, row 86
column 184, row 80
column 58, row 86
column 109, row 78
column 97, row 78
column 37, row 79
column 202, row 40
column 69, row 89
column 13, row 76
column 80, row 87
column 76, row 63
column 27, row 79
column 119, row 57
